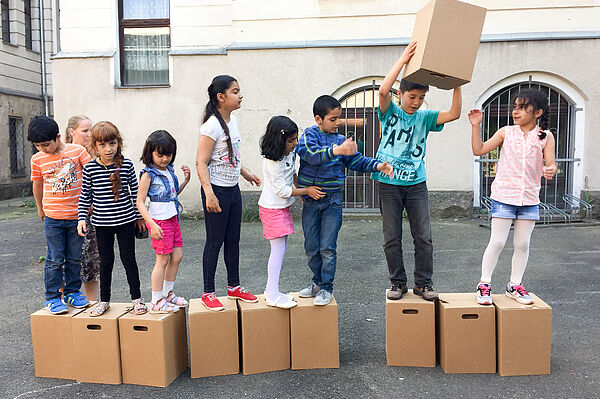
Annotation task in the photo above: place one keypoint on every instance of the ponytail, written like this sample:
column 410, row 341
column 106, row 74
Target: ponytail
column 219, row 85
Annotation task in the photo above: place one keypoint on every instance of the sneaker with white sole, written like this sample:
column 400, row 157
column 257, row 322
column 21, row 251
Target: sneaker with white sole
column 484, row 296
column 518, row 293
column 282, row 301
column 310, row 291
column 323, row 298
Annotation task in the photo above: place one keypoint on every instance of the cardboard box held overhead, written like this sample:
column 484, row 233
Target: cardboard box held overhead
column 410, row 331
column 96, row 344
column 214, row 340
column 52, row 340
column 314, row 335
column 524, row 350
column 448, row 33
column 265, row 337
column 154, row 348
column 467, row 334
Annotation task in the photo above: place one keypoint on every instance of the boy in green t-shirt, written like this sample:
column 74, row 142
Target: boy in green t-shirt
column 403, row 142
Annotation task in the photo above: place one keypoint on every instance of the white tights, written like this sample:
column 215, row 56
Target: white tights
column 278, row 248
column 500, row 230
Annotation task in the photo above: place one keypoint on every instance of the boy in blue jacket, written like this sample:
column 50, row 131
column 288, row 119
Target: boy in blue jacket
column 323, row 156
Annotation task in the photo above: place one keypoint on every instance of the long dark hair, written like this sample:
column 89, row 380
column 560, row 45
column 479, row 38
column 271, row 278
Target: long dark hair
column 537, row 100
column 162, row 142
column 272, row 143
column 219, row 85
column 103, row 132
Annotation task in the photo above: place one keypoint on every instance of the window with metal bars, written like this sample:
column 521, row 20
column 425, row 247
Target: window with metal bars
column 144, row 42
column 17, row 146
column 4, row 10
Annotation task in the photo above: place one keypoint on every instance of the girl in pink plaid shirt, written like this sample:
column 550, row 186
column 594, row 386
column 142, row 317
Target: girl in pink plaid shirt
column 527, row 153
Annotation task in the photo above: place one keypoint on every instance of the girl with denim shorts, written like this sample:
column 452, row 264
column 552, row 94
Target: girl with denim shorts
column 159, row 183
column 527, row 153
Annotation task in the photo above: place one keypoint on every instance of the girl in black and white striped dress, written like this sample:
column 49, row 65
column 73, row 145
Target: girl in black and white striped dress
column 110, row 185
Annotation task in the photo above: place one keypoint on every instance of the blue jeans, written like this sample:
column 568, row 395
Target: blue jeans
column 64, row 254
column 321, row 222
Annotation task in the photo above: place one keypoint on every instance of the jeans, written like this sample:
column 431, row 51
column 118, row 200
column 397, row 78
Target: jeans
column 222, row 228
column 321, row 222
column 105, row 235
column 393, row 200
column 64, row 255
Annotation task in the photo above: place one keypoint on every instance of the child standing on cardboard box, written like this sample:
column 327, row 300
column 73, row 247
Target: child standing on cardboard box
column 404, row 131
column 323, row 156
column 527, row 154
column 56, row 174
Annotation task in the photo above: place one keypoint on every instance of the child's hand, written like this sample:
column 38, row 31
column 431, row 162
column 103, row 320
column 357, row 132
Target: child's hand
column 81, row 228
column 41, row 214
column 156, row 232
column 348, row 147
column 315, row 192
column 140, row 225
column 475, row 117
column 409, row 51
column 386, row 169
column 252, row 179
column 212, row 203
column 549, row 171
column 186, row 172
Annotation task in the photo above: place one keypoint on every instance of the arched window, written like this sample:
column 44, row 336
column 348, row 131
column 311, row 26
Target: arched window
column 496, row 114
column 359, row 120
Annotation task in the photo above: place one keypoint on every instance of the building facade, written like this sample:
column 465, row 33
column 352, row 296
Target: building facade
column 145, row 65
column 25, row 86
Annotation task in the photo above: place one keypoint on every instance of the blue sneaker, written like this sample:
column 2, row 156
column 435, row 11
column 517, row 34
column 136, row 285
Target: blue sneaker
column 77, row 300
column 56, row 306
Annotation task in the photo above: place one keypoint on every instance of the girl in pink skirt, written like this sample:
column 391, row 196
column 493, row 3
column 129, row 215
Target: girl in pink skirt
column 277, row 146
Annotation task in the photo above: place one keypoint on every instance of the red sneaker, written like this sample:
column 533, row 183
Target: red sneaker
column 240, row 293
column 209, row 299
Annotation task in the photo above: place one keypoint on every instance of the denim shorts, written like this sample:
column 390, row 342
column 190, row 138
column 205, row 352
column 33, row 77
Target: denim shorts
column 506, row 211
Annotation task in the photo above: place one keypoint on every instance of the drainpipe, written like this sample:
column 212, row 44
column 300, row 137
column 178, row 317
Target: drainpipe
column 43, row 58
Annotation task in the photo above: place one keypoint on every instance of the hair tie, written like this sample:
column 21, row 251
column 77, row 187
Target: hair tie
column 282, row 131
column 118, row 169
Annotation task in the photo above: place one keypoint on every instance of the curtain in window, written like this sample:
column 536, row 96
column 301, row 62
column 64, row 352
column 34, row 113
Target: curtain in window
column 147, row 55
column 145, row 9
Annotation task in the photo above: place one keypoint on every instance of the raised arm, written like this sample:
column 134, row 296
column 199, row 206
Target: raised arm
column 454, row 112
column 478, row 146
column 385, row 98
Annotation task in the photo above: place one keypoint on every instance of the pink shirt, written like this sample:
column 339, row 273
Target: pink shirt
column 520, row 168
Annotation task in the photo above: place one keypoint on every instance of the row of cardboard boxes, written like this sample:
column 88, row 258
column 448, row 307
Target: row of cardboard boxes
column 120, row 347
column 152, row 349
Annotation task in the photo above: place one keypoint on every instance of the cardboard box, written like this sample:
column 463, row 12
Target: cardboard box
column 265, row 339
column 154, row 348
column 52, row 342
column 96, row 345
column 448, row 33
column 214, row 339
column 410, row 331
column 523, row 350
column 314, row 339
column 467, row 334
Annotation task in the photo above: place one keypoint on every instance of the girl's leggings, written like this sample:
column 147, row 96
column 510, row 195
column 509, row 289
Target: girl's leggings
column 222, row 228
column 105, row 235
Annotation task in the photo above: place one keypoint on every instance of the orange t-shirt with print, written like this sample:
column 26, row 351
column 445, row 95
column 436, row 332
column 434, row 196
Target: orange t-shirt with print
column 62, row 180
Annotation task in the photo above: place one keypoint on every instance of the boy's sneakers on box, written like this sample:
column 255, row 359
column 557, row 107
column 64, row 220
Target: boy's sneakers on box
column 484, row 296
column 518, row 292
column 211, row 301
column 427, row 292
column 240, row 293
column 56, row 306
column 396, row 291
column 77, row 300
column 309, row 291
column 323, row 298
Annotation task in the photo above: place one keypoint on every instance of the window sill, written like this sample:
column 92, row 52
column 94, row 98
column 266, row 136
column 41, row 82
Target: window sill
column 165, row 86
column 10, row 44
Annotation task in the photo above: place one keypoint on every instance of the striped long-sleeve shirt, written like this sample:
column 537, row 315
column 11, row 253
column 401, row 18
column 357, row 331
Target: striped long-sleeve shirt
column 96, row 190
column 319, row 167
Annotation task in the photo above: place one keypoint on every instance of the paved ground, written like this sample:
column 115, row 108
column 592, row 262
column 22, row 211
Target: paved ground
column 563, row 269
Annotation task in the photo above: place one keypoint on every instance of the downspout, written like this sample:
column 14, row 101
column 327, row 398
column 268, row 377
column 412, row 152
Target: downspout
column 43, row 59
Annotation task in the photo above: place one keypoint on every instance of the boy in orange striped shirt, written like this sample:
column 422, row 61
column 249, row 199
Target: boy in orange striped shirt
column 56, row 174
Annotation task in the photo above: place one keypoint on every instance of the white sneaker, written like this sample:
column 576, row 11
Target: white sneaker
column 309, row 291
column 323, row 298
column 484, row 296
column 283, row 301
column 518, row 293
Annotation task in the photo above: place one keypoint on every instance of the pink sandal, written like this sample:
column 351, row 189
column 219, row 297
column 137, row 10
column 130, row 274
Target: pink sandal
column 176, row 300
column 162, row 306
